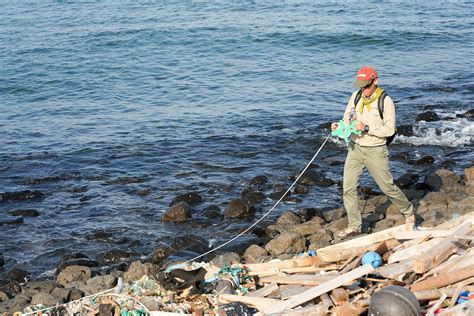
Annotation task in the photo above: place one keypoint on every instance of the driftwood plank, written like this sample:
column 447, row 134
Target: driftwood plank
column 296, row 262
column 441, row 251
column 444, row 279
column 345, row 250
column 256, row 302
column 413, row 251
column 300, row 279
column 264, row 291
column 319, row 290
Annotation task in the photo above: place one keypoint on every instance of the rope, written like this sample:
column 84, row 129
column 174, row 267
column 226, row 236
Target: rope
column 264, row 215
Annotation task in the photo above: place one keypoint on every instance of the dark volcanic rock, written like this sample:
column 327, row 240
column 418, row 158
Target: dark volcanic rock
column 407, row 180
column 115, row 255
column 17, row 275
column 259, row 183
column 301, row 189
column 21, row 195
column 2, row 261
column 98, row 234
column 191, row 198
column 239, row 208
column 253, row 197
column 469, row 114
column 12, row 221
column 180, row 212
column 405, row 130
column 428, row 116
column 25, row 213
column 403, row 156
column 11, row 289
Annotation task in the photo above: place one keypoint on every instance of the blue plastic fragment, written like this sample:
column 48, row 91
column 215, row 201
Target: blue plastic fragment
column 372, row 258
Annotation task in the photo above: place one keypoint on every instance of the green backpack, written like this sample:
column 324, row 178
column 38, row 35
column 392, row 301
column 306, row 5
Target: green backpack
column 380, row 107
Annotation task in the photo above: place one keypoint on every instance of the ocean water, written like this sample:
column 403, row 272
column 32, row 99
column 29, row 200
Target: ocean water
column 103, row 100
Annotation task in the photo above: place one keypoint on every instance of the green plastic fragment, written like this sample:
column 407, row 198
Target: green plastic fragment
column 344, row 131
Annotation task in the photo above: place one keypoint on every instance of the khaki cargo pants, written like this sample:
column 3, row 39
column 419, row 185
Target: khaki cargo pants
column 375, row 159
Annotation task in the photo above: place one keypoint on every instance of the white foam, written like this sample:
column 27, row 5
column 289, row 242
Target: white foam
column 450, row 133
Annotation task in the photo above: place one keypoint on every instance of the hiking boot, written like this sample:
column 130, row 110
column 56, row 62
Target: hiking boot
column 348, row 232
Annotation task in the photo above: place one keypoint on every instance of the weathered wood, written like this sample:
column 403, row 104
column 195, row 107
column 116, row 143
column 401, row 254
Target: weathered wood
column 326, row 301
column 444, row 279
column 396, row 270
column 264, row 291
column 436, row 305
column 256, row 302
column 345, row 250
column 441, row 251
column 413, row 251
column 303, row 261
column 300, row 279
column 416, row 234
column 426, row 295
column 288, row 291
column 319, row 290
column 313, row 310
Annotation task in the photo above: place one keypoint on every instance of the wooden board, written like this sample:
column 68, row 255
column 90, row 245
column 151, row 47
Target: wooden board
column 319, row 290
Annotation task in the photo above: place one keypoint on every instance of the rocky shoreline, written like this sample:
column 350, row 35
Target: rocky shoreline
column 442, row 196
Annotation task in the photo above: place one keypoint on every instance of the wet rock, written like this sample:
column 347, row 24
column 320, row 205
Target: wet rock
column 115, row 255
column 300, row 189
column 254, row 253
column 46, row 299
column 368, row 192
column 306, row 214
column 77, row 262
column 276, row 195
column 239, row 208
column 2, row 261
column 288, row 218
column 71, row 274
column 160, row 254
column 12, row 221
column 252, row 196
column 403, row 156
column 286, row 243
column 138, row 269
column 334, row 161
column 426, row 160
column 98, row 234
column 259, row 183
column 326, row 125
column 469, row 114
column 428, row 116
column 407, row 180
column 25, row 213
column 448, row 164
column 310, row 177
column 98, row 284
column 325, row 182
column 226, row 259
column 405, row 130
column 179, row 212
column 191, row 198
column 239, row 245
column 444, row 181
column 18, row 275
column 126, row 180
column 212, row 212
column 20, row 196
column 332, row 215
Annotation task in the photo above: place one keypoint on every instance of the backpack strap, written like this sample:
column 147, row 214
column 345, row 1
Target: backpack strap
column 357, row 98
column 381, row 103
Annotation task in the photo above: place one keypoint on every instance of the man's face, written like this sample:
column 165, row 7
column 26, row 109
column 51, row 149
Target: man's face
column 368, row 90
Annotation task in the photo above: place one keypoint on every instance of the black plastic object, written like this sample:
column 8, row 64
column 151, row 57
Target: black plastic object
column 394, row 301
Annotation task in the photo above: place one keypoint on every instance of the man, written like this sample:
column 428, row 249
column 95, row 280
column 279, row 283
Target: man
column 369, row 149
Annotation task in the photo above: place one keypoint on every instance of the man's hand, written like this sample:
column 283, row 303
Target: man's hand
column 359, row 126
column 334, row 126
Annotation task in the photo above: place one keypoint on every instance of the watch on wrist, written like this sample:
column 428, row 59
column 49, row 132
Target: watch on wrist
column 366, row 128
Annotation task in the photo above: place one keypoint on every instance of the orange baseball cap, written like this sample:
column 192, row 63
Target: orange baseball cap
column 365, row 75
